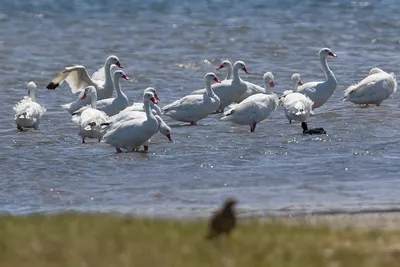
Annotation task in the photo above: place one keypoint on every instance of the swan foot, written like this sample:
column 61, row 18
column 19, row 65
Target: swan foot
column 253, row 127
column 19, row 128
column 193, row 123
column 118, row 150
column 83, row 140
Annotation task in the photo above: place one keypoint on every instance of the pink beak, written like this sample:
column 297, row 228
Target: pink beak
column 125, row 77
column 245, row 70
column 84, row 96
column 153, row 100
column 217, row 80
column 220, row 67
column 271, row 83
column 332, row 54
column 156, row 96
column 169, row 137
column 300, row 83
column 119, row 65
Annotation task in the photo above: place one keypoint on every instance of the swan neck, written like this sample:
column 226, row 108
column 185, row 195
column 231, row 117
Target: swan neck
column 325, row 67
column 117, row 87
column 146, row 105
column 295, row 86
column 235, row 74
column 209, row 90
column 93, row 100
column 32, row 94
column 228, row 73
column 107, row 73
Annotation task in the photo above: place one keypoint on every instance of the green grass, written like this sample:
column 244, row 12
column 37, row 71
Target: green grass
column 106, row 240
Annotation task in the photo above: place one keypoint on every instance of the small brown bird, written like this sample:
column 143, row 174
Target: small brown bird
column 223, row 221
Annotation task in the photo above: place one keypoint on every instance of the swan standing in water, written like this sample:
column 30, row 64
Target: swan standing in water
column 78, row 79
column 320, row 92
column 297, row 106
column 373, row 89
column 130, row 134
column 90, row 119
column 229, row 91
column 110, row 106
column 27, row 111
column 193, row 108
column 253, row 109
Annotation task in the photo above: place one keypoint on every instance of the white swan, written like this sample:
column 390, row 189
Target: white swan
column 253, row 89
column 110, row 106
column 297, row 106
column 131, row 134
column 253, row 109
column 27, row 111
column 78, row 78
column 320, row 92
column 373, row 89
column 139, row 106
column 90, row 119
column 193, row 108
column 226, row 64
column 229, row 91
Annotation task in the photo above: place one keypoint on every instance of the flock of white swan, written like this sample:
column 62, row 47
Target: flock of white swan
column 101, row 116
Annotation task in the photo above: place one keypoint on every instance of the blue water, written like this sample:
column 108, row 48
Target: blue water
column 171, row 45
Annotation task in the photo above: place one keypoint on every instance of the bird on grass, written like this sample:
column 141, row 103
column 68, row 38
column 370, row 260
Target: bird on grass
column 223, row 221
column 313, row 130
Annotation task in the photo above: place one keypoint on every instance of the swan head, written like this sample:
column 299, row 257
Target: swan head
column 166, row 130
column 90, row 90
column 269, row 78
column 296, row 79
column 240, row 65
column 31, row 87
column 375, row 71
column 224, row 64
column 153, row 90
column 118, row 74
column 149, row 97
column 114, row 60
column 325, row 52
column 211, row 77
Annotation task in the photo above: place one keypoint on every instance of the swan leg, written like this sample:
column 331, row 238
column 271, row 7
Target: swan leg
column 83, row 140
column 99, row 139
column 193, row 123
column 253, row 127
column 146, row 148
column 19, row 128
column 118, row 150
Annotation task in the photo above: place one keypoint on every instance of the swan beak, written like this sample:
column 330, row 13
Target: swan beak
column 271, row 83
column 332, row 54
column 125, row 77
column 119, row 65
column 217, row 80
column 156, row 96
column 169, row 137
column 220, row 67
column 84, row 96
column 245, row 70
column 299, row 83
column 153, row 100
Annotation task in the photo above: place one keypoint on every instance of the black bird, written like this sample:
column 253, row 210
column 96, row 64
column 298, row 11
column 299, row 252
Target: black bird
column 223, row 221
column 311, row 131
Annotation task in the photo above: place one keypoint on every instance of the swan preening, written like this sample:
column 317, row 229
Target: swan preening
column 27, row 111
column 127, row 127
column 373, row 89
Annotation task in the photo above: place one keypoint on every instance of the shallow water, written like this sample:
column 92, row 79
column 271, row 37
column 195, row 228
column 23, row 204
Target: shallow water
column 170, row 46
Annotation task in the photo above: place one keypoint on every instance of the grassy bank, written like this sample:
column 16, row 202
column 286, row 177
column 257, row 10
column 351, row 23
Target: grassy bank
column 105, row 241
